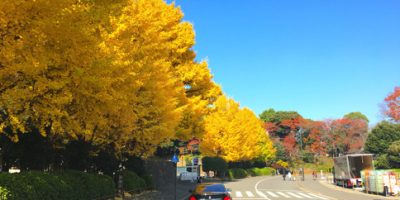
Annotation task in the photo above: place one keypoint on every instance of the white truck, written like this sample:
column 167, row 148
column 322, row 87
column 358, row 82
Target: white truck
column 347, row 169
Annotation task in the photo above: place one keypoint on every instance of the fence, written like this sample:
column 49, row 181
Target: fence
column 163, row 174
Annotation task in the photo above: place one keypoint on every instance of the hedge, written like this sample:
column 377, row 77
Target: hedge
column 266, row 171
column 216, row 164
column 56, row 185
column 132, row 181
column 149, row 180
column 4, row 193
column 237, row 173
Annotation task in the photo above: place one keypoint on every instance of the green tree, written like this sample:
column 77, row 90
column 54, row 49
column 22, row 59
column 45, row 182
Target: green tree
column 271, row 115
column 280, row 152
column 216, row 164
column 356, row 115
column 381, row 136
column 382, row 162
column 394, row 154
column 267, row 115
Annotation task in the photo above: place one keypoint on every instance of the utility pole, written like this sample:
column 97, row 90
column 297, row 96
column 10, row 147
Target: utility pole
column 299, row 138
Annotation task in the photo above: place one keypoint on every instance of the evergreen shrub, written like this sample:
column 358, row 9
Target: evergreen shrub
column 67, row 185
column 237, row 173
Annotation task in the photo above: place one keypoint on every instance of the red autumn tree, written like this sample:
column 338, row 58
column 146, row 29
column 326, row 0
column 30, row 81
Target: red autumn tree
column 289, row 142
column 271, row 128
column 348, row 135
column 317, row 137
column 293, row 124
column 392, row 103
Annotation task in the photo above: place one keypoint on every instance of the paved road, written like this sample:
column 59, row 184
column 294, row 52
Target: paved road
column 274, row 188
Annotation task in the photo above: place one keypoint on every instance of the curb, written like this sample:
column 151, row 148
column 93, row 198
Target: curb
column 328, row 185
column 311, row 191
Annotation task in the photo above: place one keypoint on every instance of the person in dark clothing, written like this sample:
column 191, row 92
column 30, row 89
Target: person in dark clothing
column 284, row 174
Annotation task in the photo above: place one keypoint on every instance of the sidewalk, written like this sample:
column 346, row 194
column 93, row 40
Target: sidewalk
column 182, row 189
column 354, row 190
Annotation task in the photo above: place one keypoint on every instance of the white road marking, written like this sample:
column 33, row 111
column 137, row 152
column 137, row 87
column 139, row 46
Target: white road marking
column 319, row 197
column 262, row 195
column 258, row 192
column 272, row 194
column 239, row 194
column 304, row 195
column 295, row 195
column 249, row 194
column 283, row 194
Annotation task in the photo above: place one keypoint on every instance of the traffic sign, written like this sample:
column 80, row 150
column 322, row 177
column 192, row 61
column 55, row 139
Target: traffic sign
column 175, row 159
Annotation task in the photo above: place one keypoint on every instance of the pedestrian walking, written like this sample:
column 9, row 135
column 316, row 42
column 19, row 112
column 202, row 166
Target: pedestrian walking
column 293, row 175
column 284, row 174
column 314, row 174
column 289, row 176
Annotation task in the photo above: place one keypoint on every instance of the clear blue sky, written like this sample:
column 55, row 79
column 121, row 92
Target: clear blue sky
column 322, row 58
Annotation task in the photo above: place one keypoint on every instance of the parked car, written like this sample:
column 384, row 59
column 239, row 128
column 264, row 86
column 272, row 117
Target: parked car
column 210, row 191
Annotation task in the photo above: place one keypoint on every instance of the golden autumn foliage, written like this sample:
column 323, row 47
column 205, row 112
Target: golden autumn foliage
column 50, row 68
column 235, row 134
column 109, row 72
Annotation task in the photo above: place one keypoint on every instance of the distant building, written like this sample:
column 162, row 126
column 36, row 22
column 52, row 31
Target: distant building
column 189, row 147
column 193, row 146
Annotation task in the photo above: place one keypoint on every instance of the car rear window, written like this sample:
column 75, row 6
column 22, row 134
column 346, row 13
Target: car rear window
column 211, row 188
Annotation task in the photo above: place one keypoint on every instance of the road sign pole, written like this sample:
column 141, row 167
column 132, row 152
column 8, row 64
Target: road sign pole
column 175, row 160
column 176, row 171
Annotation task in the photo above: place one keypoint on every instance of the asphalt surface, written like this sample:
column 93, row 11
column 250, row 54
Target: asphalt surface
column 274, row 188
column 182, row 189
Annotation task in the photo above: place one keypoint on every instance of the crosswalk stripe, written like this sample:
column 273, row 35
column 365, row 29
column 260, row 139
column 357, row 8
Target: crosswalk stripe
column 304, row 195
column 277, row 194
column 261, row 194
column 239, row 194
column 249, row 194
column 295, row 195
column 272, row 194
column 283, row 194
column 317, row 196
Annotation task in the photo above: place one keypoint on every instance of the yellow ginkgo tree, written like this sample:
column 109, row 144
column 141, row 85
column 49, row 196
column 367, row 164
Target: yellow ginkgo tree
column 120, row 73
column 53, row 77
column 235, row 133
column 172, row 92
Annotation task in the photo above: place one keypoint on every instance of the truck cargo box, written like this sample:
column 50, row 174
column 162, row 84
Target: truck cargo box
column 347, row 169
